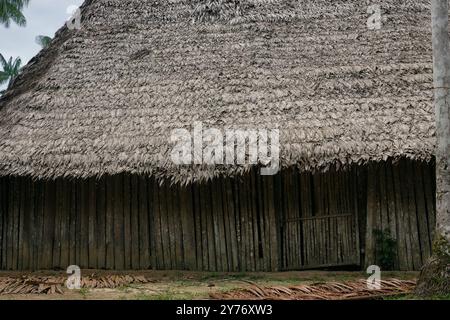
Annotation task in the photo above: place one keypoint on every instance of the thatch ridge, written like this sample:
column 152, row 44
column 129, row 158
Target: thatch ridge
column 104, row 99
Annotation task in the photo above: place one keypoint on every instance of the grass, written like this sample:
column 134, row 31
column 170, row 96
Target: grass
column 84, row 292
column 170, row 295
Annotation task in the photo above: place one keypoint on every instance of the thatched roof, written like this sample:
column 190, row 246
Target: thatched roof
column 104, row 99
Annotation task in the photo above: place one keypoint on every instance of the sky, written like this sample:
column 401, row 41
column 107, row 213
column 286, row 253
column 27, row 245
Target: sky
column 44, row 17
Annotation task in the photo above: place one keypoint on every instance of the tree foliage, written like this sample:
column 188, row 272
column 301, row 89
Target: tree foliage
column 11, row 10
column 43, row 41
column 11, row 69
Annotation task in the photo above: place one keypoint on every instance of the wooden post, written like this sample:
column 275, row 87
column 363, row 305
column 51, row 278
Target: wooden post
column 435, row 276
column 441, row 67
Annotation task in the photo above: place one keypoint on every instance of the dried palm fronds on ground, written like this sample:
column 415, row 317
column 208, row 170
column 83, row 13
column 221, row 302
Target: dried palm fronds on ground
column 56, row 284
column 31, row 285
column 319, row 291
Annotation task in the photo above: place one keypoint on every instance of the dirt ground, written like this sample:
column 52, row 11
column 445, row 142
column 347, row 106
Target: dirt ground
column 177, row 285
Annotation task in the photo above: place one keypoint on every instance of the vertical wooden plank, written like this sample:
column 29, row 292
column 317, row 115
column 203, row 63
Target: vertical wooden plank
column 144, row 244
column 7, row 226
column 287, row 200
column 165, row 227
column 49, row 223
column 332, row 210
column 254, row 218
column 356, row 213
column 212, row 258
column 158, row 227
column 232, row 224
column 221, row 220
column 201, row 234
column 306, row 211
column 377, row 215
column 152, row 223
column 237, row 211
column 412, row 212
column 28, row 216
column 383, row 198
column 263, row 221
column 176, row 227
column 91, row 218
column 371, row 213
column 272, row 226
column 274, row 220
column 216, row 214
column 361, row 176
column 101, row 223
column 73, row 222
column 10, row 225
column 252, row 221
column 3, row 215
column 3, row 201
column 318, row 235
column 429, row 186
column 188, row 228
column 333, row 193
column 135, row 264
column 432, row 217
column 59, row 194
column 152, row 227
column 402, row 249
column 127, row 221
column 391, row 208
column 328, row 211
column 65, row 223
column 16, row 225
column 405, row 217
column 297, row 210
column 198, row 227
column 171, row 220
column 207, row 244
column 247, row 235
column 226, row 223
column 21, row 223
column 110, row 208
column 422, row 223
column 119, row 239
column 243, row 234
column 84, row 224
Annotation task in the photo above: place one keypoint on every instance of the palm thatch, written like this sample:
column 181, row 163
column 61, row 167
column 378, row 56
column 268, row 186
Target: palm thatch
column 104, row 99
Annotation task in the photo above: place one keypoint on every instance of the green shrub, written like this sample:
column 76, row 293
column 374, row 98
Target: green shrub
column 386, row 249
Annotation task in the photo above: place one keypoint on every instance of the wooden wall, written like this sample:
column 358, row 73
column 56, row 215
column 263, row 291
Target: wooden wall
column 253, row 223
column 129, row 222
column 401, row 199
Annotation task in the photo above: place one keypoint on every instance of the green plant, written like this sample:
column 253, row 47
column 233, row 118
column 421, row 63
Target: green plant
column 11, row 10
column 11, row 69
column 441, row 248
column 386, row 249
column 84, row 292
column 43, row 41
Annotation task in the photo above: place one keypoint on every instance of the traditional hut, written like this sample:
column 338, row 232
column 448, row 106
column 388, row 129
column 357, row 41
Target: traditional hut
column 86, row 172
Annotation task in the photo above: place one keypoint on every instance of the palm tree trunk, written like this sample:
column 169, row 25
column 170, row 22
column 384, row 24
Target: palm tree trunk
column 435, row 275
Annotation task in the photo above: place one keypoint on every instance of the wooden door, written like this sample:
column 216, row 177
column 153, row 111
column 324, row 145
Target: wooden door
column 319, row 226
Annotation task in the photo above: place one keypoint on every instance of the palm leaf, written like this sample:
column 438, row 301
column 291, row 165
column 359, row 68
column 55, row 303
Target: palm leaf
column 43, row 41
column 4, row 77
column 11, row 69
column 16, row 66
column 11, row 10
column 2, row 61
